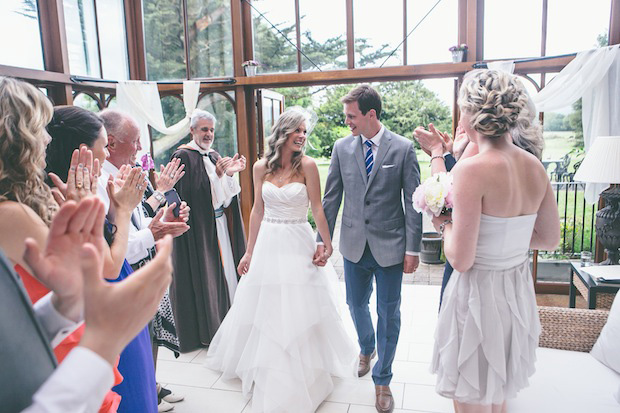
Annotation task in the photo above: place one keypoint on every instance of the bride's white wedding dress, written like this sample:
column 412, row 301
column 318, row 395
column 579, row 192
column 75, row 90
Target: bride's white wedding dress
column 283, row 336
column 488, row 327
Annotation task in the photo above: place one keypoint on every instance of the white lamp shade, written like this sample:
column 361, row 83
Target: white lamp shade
column 602, row 162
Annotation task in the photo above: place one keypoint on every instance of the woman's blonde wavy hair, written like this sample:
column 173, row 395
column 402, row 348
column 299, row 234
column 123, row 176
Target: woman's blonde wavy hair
column 24, row 113
column 286, row 124
column 494, row 100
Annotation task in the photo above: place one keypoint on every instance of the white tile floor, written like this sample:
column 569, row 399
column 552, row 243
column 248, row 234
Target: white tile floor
column 412, row 385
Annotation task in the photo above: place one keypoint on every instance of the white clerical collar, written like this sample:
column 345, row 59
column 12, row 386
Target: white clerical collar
column 195, row 146
column 375, row 139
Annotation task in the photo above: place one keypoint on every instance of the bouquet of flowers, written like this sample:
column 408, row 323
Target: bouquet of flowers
column 434, row 196
column 250, row 63
column 147, row 162
column 458, row 48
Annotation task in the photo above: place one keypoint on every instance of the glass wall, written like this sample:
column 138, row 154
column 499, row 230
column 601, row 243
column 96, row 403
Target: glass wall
column 80, row 24
column 436, row 31
column 210, row 38
column 273, row 47
column 323, row 35
column 378, row 31
column 512, row 29
column 580, row 26
column 86, row 101
column 164, row 39
column 226, row 126
column 225, row 129
column 113, row 39
column 19, row 20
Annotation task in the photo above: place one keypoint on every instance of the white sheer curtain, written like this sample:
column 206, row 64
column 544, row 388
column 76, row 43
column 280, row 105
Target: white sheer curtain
column 141, row 101
column 594, row 76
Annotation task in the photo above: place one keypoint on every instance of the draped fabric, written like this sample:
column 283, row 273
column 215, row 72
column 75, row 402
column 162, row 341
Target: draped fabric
column 594, row 76
column 141, row 101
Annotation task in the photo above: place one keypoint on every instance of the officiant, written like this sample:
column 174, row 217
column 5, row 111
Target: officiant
column 205, row 258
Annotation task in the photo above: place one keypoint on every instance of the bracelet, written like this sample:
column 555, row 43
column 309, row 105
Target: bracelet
column 442, row 226
column 434, row 157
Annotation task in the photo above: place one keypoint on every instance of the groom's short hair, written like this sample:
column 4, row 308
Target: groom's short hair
column 366, row 97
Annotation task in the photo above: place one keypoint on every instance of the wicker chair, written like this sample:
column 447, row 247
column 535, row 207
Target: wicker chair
column 570, row 328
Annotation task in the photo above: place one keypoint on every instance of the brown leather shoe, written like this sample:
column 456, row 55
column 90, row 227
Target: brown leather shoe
column 364, row 366
column 385, row 401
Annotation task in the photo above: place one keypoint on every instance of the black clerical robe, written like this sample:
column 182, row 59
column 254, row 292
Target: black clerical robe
column 199, row 292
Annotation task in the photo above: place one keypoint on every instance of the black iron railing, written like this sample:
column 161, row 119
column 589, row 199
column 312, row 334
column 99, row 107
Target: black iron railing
column 576, row 220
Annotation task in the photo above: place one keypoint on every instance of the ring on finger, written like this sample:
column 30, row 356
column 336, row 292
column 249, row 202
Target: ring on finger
column 78, row 185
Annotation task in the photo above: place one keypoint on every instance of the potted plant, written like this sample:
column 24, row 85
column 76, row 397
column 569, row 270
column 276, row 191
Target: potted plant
column 431, row 248
column 458, row 52
column 250, row 67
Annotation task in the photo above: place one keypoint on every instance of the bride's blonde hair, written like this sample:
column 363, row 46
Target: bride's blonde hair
column 286, row 124
column 493, row 99
column 24, row 113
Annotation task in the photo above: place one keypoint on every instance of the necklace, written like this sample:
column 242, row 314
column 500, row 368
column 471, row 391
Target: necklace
column 281, row 176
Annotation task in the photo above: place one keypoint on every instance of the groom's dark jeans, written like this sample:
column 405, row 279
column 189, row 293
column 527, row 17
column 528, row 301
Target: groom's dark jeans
column 358, row 278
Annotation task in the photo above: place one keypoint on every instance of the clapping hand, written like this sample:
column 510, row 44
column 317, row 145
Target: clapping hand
column 81, row 178
column 432, row 141
column 169, row 175
column 160, row 228
column 131, row 191
column 58, row 266
column 221, row 165
column 183, row 213
column 461, row 140
column 237, row 164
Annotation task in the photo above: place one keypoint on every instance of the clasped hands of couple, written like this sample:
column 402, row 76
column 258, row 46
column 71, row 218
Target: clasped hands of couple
column 125, row 190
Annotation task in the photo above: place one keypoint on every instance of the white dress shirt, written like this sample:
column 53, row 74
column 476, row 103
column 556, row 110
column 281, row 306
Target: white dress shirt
column 80, row 383
column 141, row 239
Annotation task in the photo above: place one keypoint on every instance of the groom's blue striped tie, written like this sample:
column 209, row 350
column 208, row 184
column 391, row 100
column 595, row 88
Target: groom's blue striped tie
column 369, row 158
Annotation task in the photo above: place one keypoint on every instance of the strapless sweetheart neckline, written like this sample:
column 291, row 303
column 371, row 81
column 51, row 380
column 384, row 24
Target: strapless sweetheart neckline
column 283, row 186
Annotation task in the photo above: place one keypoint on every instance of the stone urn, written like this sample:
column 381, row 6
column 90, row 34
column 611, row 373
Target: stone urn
column 431, row 248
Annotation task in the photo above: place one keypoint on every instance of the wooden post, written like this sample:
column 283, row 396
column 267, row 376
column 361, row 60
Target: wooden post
column 54, row 42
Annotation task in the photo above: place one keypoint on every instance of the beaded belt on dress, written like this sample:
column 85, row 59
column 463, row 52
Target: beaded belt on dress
column 285, row 220
column 219, row 212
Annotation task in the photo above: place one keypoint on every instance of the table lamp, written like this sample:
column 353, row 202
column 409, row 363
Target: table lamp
column 602, row 165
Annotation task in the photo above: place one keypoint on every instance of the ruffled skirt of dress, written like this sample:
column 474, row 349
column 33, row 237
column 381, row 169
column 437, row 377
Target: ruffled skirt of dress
column 486, row 336
column 283, row 336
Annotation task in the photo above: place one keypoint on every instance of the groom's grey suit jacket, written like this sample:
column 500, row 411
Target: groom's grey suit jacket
column 373, row 207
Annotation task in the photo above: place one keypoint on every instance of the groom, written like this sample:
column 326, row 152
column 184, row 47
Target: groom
column 378, row 171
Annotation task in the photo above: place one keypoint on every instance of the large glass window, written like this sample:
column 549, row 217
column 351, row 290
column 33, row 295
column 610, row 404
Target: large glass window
column 323, row 35
column 164, row 39
column 512, row 29
column 113, row 39
column 378, row 30
column 86, row 101
column 226, row 126
column 576, row 27
column 173, row 110
column 210, row 38
column 435, row 33
column 20, row 31
column 272, row 46
column 80, row 24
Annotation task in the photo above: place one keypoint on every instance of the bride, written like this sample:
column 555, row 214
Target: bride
column 283, row 336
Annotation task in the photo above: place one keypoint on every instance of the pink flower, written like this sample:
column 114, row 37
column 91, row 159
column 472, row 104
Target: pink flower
column 147, row 162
